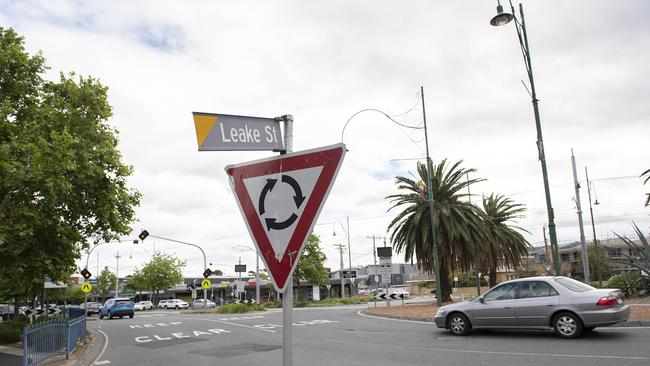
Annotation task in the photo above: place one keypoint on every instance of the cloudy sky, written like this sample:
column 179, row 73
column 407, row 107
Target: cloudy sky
column 324, row 61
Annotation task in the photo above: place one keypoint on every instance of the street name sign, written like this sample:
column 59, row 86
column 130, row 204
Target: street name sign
column 223, row 132
column 280, row 199
column 349, row 274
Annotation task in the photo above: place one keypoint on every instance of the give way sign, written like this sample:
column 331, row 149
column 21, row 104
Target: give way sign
column 280, row 199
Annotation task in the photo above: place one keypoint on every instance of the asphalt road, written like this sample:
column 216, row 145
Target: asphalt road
column 340, row 336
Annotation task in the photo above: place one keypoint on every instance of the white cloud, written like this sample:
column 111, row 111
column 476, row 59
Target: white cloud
column 322, row 62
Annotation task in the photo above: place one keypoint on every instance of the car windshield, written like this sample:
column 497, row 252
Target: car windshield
column 573, row 285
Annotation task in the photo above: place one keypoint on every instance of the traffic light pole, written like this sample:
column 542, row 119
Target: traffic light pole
column 205, row 262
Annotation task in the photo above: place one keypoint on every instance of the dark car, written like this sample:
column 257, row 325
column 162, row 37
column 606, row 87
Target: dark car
column 119, row 307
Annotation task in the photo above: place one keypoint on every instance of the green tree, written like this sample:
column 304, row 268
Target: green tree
column 458, row 223
column 603, row 262
column 162, row 272
column 137, row 282
column 105, row 283
column 63, row 183
column 311, row 266
column 504, row 244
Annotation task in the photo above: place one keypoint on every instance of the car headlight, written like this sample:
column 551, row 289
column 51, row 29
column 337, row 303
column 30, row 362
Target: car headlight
column 441, row 311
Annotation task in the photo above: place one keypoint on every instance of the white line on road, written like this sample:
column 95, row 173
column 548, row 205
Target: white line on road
column 229, row 323
column 97, row 362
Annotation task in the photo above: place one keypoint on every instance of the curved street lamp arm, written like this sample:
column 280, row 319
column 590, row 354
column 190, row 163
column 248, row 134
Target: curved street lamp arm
column 96, row 245
column 379, row 111
column 205, row 262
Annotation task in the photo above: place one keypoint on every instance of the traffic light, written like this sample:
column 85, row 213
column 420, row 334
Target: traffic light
column 86, row 273
column 143, row 235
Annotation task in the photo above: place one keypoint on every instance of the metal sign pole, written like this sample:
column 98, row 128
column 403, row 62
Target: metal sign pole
column 287, row 297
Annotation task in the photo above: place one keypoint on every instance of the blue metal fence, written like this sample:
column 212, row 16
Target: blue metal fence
column 50, row 338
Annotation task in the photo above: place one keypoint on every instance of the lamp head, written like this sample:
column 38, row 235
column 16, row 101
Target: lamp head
column 502, row 18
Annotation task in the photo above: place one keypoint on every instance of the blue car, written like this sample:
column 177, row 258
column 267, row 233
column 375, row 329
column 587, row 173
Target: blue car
column 119, row 307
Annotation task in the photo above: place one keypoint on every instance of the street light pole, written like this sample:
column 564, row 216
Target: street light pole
column 501, row 19
column 205, row 262
column 432, row 213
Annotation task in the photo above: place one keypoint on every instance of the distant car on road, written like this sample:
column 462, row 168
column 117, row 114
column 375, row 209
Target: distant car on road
column 364, row 292
column 398, row 291
column 173, row 304
column 561, row 303
column 198, row 304
column 93, row 308
column 143, row 305
column 119, row 307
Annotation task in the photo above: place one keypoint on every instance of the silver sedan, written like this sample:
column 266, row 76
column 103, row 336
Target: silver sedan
column 560, row 303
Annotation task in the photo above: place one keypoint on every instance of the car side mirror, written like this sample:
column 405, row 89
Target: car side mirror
column 481, row 299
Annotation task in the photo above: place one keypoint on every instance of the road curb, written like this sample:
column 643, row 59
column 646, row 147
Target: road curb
column 629, row 323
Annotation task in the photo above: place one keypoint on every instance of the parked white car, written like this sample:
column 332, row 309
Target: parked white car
column 173, row 304
column 143, row 305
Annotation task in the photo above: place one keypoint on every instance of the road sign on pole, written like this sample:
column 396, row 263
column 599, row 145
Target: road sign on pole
column 206, row 283
column 86, row 287
column 280, row 199
column 223, row 132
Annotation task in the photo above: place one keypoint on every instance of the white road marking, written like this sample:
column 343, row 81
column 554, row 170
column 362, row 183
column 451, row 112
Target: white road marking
column 502, row 353
column 229, row 323
column 96, row 361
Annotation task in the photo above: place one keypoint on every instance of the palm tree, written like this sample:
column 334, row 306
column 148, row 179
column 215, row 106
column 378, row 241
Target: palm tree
column 504, row 245
column 457, row 222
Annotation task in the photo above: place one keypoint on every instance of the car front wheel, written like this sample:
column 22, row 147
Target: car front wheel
column 101, row 316
column 459, row 324
column 131, row 315
column 567, row 325
column 110, row 316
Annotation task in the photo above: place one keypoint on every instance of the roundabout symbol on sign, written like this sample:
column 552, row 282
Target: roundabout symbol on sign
column 298, row 199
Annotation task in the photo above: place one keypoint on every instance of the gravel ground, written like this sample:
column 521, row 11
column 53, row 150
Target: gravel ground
column 427, row 311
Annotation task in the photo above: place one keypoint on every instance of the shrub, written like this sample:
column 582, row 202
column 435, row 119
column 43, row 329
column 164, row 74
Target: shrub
column 11, row 330
column 239, row 308
column 627, row 282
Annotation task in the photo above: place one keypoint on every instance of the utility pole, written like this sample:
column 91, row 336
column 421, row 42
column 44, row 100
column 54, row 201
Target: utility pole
column 585, row 257
column 374, row 255
column 593, row 228
column 117, row 276
column 548, row 259
column 349, row 255
column 476, row 265
column 341, row 247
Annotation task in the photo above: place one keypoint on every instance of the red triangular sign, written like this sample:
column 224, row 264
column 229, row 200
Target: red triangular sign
column 280, row 199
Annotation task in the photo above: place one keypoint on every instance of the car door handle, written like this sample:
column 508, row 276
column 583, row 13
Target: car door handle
column 506, row 307
column 550, row 304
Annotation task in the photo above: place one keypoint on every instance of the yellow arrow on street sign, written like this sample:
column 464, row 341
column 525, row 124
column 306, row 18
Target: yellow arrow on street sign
column 206, row 283
column 86, row 287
